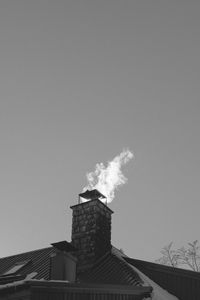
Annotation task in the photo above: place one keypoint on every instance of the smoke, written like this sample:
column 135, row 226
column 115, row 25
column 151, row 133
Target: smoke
column 107, row 179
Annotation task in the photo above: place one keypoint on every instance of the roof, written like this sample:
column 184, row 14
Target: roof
column 39, row 262
column 184, row 284
column 111, row 269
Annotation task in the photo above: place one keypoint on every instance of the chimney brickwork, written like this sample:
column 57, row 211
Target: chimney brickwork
column 91, row 231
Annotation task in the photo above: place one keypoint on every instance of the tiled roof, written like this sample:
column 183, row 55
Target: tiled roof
column 39, row 262
column 111, row 269
column 184, row 284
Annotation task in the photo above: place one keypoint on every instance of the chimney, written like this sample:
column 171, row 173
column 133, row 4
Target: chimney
column 91, row 228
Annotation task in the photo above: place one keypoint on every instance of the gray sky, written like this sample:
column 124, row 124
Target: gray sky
column 81, row 80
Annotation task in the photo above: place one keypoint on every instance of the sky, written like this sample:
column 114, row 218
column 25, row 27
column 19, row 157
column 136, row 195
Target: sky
column 79, row 82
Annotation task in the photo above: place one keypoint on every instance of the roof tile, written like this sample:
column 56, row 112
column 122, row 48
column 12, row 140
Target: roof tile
column 40, row 262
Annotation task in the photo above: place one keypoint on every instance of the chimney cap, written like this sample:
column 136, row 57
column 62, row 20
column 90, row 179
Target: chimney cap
column 93, row 194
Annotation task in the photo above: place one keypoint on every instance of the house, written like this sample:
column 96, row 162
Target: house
column 90, row 267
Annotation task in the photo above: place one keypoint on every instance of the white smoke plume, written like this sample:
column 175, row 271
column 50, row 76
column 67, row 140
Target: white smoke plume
column 107, row 179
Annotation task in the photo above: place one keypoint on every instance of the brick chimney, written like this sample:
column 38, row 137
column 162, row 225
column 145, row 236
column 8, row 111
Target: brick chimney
column 91, row 228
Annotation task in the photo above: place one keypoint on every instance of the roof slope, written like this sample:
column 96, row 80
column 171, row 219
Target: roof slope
column 39, row 262
column 184, row 284
column 111, row 269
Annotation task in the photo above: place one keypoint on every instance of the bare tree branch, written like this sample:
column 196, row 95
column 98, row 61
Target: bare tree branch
column 189, row 256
